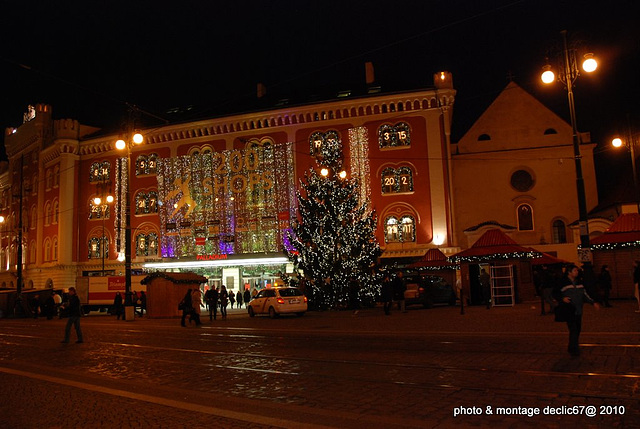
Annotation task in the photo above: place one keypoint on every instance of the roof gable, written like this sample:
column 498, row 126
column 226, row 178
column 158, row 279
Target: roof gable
column 514, row 120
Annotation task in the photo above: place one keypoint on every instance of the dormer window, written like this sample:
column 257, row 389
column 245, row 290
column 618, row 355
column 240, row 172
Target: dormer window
column 484, row 137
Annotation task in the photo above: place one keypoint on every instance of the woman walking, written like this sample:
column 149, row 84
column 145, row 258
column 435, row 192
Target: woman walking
column 224, row 301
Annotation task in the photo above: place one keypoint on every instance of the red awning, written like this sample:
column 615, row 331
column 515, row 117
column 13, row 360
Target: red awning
column 433, row 259
column 494, row 244
column 625, row 229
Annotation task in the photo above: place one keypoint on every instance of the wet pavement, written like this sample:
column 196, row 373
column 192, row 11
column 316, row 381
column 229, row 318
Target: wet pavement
column 504, row 367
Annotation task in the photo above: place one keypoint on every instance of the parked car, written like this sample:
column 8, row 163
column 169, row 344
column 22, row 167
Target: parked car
column 276, row 301
column 428, row 290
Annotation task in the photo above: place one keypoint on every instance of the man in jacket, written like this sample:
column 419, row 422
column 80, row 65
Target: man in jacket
column 571, row 291
column 73, row 307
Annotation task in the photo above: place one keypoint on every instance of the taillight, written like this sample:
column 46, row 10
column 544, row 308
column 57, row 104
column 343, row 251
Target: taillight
column 280, row 300
column 421, row 289
column 305, row 299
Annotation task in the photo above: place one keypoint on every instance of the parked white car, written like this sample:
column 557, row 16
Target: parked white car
column 276, row 301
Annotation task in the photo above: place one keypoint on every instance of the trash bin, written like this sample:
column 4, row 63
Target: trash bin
column 128, row 313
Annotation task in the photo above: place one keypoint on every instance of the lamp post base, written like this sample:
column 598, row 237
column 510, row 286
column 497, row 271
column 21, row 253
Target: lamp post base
column 128, row 313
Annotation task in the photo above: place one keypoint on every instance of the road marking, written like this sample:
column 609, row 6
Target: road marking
column 169, row 402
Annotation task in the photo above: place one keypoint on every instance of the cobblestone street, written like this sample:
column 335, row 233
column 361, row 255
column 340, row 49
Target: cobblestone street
column 326, row 369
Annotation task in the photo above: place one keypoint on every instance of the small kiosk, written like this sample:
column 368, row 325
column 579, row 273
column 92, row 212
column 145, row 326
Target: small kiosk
column 166, row 290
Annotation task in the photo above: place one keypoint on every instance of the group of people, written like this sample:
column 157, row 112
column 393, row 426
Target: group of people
column 50, row 308
column 139, row 303
column 214, row 299
column 393, row 291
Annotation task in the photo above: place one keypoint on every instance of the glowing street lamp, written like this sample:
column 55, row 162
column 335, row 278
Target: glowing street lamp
column 567, row 73
column 630, row 144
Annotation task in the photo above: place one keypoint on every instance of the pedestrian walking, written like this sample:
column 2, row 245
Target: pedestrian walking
column 187, row 309
column 232, row 298
column 604, row 281
column 239, row 299
column 135, row 300
column 196, row 301
column 118, row 308
column 247, row 297
column 73, row 308
column 399, row 287
column 211, row 298
column 224, row 301
column 386, row 294
column 547, row 283
column 570, row 291
column 485, row 284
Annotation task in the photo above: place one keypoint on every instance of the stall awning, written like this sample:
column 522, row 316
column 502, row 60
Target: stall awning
column 624, row 232
column 494, row 244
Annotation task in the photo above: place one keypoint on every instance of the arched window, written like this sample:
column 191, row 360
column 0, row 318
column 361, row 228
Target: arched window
column 48, row 178
column 32, row 252
column 56, row 176
column 141, row 245
column 408, row 232
column 559, row 231
column 525, row 217
column 141, row 203
column 55, row 249
column 153, row 202
column 100, row 172
column 47, row 250
column 141, row 165
column 152, row 240
column 34, row 184
column 152, row 162
column 484, row 137
column 394, row 135
column 97, row 211
column 96, row 248
column 389, row 182
column 47, row 214
column 56, row 208
column 550, row 131
column 34, row 218
column 405, row 179
column 391, row 231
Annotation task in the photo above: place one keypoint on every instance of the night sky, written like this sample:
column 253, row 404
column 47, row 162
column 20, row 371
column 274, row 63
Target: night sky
column 204, row 58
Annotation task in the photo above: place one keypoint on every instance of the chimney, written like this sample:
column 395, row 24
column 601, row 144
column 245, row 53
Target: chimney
column 369, row 73
column 261, row 90
column 443, row 80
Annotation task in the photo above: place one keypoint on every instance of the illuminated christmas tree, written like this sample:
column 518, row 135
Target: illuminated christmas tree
column 334, row 235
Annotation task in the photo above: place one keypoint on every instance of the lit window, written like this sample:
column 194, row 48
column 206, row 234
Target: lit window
column 47, row 250
column 391, row 231
column 394, row 135
column 96, row 247
column 100, row 172
column 525, row 217
column 405, row 179
column 56, row 176
column 55, row 249
column 56, row 208
column 408, row 229
column 147, row 244
column 49, row 179
column 389, row 181
column 141, row 165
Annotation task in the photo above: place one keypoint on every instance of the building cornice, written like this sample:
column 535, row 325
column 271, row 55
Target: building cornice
column 278, row 119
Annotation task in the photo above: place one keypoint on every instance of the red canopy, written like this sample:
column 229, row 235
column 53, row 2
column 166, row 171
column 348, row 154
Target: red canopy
column 434, row 259
column 624, row 231
column 494, row 244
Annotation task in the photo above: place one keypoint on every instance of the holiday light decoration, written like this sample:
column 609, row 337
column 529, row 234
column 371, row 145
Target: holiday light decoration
column 234, row 201
column 334, row 236
column 359, row 162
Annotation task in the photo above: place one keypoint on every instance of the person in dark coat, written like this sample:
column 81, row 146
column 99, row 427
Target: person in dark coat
column 604, row 280
column 386, row 295
column 74, row 311
column 232, row 298
column 50, row 306
column 117, row 306
column 239, row 299
column 211, row 298
column 399, row 287
column 187, row 310
column 485, row 284
column 247, row 297
column 224, row 301
column 571, row 291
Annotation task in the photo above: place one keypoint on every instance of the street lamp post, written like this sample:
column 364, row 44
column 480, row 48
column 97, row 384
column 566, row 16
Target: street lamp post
column 136, row 139
column 568, row 72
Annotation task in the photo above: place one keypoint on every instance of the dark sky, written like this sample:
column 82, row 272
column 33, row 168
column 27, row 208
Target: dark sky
column 88, row 59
